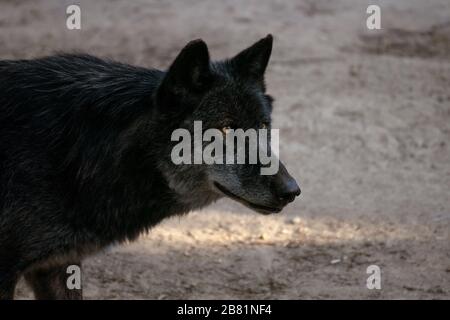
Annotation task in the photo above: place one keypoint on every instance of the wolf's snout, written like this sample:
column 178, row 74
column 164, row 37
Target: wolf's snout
column 285, row 186
column 289, row 192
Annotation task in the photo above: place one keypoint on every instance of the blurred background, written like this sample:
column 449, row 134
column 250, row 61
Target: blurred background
column 364, row 118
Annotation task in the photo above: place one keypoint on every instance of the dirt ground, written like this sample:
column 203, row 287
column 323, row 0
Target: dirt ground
column 365, row 127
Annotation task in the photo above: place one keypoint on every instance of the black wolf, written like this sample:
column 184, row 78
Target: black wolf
column 85, row 148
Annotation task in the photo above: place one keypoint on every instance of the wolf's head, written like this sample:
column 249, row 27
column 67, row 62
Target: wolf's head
column 223, row 95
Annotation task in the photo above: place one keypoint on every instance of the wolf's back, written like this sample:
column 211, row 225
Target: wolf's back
column 72, row 83
column 56, row 97
column 65, row 108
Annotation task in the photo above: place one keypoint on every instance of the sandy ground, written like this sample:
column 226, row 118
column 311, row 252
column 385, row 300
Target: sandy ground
column 365, row 127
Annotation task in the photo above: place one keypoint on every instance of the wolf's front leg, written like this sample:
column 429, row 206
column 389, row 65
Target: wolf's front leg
column 55, row 283
column 7, row 286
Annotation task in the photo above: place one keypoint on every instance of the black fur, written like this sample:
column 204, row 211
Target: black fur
column 83, row 146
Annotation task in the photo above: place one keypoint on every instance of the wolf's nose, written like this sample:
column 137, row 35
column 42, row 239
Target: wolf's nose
column 289, row 192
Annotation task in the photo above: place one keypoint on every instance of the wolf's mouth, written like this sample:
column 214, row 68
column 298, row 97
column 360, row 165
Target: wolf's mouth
column 257, row 207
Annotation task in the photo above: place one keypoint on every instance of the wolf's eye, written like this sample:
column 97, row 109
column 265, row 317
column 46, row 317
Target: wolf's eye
column 226, row 129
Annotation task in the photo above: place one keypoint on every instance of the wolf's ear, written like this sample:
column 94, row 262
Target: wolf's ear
column 191, row 68
column 189, row 75
column 252, row 62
